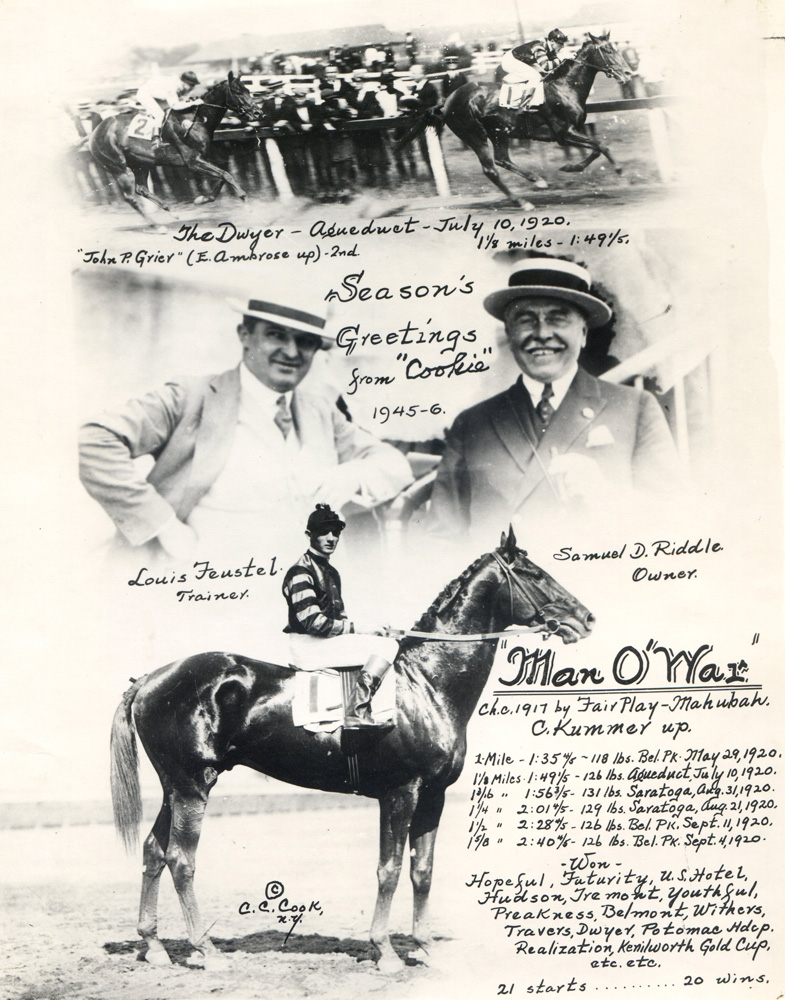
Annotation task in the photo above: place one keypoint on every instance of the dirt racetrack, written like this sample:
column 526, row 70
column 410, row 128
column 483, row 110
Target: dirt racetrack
column 70, row 896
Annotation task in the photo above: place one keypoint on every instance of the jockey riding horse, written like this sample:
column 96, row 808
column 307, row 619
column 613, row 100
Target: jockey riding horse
column 525, row 66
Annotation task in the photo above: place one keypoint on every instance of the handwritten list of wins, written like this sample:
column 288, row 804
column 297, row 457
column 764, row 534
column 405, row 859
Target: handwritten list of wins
column 579, row 898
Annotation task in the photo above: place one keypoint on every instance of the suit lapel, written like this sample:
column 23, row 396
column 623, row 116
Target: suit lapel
column 215, row 433
column 515, row 429
column 580, row 407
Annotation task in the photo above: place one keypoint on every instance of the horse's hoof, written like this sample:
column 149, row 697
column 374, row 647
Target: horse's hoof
column 420, row 955
column 216, row 961
column 526, row 206
column 571, row 168
column 201, row 200
column 541, row 184
column 156, row 955
column 388, row 965
column 619, row 170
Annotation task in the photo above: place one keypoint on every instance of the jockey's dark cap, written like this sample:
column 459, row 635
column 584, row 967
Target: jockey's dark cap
column 557, row 36
column 323, row 519
column 190, row 78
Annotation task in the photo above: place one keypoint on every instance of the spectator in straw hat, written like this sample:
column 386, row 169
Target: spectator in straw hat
column 558, row 438
column 236, row 454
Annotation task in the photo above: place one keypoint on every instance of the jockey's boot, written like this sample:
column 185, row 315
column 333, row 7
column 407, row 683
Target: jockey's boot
column 358, row 714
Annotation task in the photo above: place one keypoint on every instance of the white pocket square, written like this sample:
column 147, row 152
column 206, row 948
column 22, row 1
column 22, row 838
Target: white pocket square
column 599, row 436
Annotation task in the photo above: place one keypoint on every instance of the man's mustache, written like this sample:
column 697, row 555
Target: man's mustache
column 551, row 340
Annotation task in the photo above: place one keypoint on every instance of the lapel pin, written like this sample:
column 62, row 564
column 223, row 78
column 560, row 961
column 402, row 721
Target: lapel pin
column 587, row 412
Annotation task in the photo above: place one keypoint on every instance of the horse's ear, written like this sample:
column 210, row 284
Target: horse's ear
column 231, row 76
column 592, row 37
column 508, row 546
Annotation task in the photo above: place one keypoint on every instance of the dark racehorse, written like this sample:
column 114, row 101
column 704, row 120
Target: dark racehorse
column 128, row 158
column 472, row 112
column 203, row 715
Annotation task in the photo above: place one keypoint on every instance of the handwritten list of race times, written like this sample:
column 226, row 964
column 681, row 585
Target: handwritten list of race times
column 628, row 857
column 686, row 799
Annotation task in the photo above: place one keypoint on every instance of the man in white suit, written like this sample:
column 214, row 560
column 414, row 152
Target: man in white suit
column 238, row 456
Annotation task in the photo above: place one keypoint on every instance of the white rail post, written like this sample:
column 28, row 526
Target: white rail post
column 658, row 129
column 437, row 161
column 278, row 170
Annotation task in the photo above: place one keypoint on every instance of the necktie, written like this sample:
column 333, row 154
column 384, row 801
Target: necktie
column 544, row 409
column 283, row 418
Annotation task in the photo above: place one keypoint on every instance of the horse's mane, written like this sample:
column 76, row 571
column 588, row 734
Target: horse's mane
column 564, row 67
column 426, row 621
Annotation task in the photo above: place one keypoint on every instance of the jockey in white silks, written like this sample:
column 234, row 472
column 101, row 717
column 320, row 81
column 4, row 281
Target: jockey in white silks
column 525, row 66
column 162, row 94
column 320, row 634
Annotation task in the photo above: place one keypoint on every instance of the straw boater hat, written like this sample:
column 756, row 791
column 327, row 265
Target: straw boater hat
column 309, row 319
column 552, row 279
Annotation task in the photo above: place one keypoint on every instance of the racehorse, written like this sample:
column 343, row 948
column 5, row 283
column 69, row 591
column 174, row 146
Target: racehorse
column 472, row 112
column 205, row 714
column 128, row 157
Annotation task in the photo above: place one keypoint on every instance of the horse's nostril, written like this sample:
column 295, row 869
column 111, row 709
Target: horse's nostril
column 590, row 619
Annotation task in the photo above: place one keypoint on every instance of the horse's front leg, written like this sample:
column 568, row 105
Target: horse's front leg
column 422, row 837
column 201, row 166
column 396, row 809
column 572, row 137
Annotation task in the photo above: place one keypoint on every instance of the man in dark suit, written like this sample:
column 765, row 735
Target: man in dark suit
column 558, row 439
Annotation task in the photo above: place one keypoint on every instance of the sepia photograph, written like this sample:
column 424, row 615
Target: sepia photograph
column 393, row 556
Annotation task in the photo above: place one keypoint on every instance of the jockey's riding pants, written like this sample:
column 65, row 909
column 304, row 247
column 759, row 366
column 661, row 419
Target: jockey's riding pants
column 309, row 652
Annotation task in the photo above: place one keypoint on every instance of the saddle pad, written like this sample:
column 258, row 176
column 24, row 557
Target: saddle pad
column 317, row 704
column 510, row 95
column 141, row 127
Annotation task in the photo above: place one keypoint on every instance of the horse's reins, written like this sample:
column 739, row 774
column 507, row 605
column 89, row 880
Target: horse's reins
column 552, row 625
column 605, row 67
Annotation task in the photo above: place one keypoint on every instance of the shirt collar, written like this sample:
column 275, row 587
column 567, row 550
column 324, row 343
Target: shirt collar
column 560, row 386
column 258, row 394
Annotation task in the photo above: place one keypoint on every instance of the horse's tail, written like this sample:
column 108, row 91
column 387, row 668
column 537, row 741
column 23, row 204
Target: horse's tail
column 124, row 771
column 431, row 116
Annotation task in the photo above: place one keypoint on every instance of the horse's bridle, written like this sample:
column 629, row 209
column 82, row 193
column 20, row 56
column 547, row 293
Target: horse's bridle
column 247, row 115
column 605, row 66
column 514, row 584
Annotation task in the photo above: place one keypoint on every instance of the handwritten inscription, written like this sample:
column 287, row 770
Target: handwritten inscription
column 285, row 910
column 238, row 244
column 618, row 917
column 203, row 571
column 689, row 799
